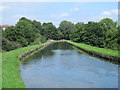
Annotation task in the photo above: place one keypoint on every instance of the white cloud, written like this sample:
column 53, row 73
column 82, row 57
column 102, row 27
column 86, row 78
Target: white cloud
column 98, row 18
column 114, row 11
column 61, row 15
column 4, row 7
column 106, row 13
column 19, row 16
column 75, row 9
column 111, row 12
column 64, row 15
column 27, row 16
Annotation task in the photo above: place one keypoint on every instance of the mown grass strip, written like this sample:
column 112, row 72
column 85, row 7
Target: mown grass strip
column 0, row 70
column 11, row 67
column 103, row 51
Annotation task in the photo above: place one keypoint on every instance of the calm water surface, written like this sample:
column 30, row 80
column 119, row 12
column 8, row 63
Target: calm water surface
column 61, row 66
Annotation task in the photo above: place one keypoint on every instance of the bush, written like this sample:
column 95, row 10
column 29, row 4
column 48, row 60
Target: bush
column 9, row 45
column 22, row 41
column 39, row 39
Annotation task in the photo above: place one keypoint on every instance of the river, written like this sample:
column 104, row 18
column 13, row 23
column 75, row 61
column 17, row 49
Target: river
column 61, row 66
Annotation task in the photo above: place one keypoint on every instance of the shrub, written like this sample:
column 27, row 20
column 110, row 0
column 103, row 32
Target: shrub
column 9, row 45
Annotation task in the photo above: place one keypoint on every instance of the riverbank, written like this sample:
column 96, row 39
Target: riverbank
column 104, row 53
column 11, row 77
column 11, row 63
column 0, row 70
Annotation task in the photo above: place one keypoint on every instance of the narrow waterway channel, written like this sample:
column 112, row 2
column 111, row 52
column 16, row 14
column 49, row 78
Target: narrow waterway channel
column 61, row 66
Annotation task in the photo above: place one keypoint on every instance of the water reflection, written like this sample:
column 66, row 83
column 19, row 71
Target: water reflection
column 60, row 66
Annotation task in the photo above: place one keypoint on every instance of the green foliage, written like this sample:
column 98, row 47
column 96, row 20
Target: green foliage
column 39, row 39
column 108, row 23
column 111, row 34
column 90, row 33
column 66, row 27
column 102, row 34
column 23, row 41
column 24, row 32
column 50, row 31
column 9, row 45
column 77, row 33
column 38, row 26
column 0, row 39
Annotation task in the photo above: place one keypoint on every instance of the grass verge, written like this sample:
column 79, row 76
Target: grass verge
column 11, row 67
column 102, row 51
column 0, row 70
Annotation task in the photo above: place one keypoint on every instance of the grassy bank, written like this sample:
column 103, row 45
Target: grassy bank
column 101, row 51
column 11, row 64
column 11, row 67
column 0, row 70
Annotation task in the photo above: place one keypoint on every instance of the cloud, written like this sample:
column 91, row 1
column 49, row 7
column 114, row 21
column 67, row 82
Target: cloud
column 27, row 16
column 111, row 12
column 4, row 7
column 115, row 11
column 75, row 9
column 98, row 18
column 61, row 15
column 112, row 15
column 106, row 13
column 64, row 15
column 19, row 16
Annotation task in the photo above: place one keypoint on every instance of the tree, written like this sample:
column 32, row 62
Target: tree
column 90, row 33
column 78, row 32
column 66, row 27
column 110, row 33
column 102, row 34
column 49, row 31
column 24, row 32
column 108, row 23
column 37, row 25
column 39, row 39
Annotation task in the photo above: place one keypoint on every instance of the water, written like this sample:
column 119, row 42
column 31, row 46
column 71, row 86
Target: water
column 61, row 66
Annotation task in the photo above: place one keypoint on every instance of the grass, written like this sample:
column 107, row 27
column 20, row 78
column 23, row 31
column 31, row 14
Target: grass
column 11, row 67
column 0, row 70
column 11, row 77
column 103, row 51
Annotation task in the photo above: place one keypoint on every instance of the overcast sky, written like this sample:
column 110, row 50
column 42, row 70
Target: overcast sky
column 58, row 11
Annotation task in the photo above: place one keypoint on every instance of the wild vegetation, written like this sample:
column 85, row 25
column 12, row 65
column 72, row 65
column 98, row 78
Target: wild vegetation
column 103, row 34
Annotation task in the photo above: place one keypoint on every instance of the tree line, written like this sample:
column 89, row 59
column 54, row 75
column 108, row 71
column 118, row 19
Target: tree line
column 103, row 34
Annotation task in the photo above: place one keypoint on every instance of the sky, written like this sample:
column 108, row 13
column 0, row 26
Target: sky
column 56, row 12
